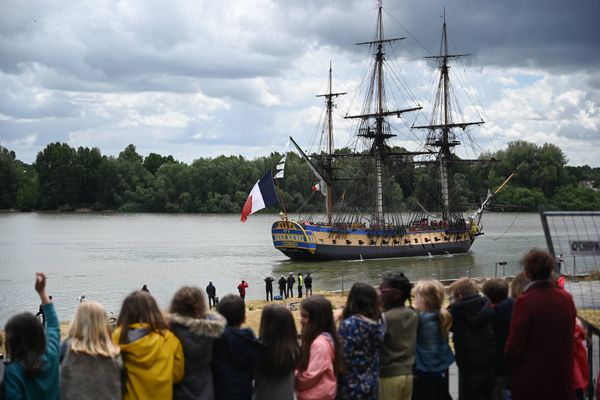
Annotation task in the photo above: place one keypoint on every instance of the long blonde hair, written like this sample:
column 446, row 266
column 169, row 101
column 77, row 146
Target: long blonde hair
column 90, row 333
column 430, row 295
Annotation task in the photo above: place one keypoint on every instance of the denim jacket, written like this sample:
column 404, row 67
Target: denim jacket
column 433, row 352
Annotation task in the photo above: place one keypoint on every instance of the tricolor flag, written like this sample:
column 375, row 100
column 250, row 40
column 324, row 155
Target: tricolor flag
column 262, row 195
column 316, row 187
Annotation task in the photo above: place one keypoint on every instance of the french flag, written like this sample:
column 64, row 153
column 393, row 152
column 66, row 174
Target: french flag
column 262, row 195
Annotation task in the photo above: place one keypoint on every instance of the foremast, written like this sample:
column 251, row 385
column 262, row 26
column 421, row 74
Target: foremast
column 375, row 110
column 440, row 134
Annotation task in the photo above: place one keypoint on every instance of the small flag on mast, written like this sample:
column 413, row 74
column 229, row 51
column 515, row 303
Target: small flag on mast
column 281, row 166
column 316, row 187
column 262, row 195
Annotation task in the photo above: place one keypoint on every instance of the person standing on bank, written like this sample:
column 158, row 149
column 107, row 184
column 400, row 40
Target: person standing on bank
column 282, row 292
column 242, row 289
column 290, row 285
column 308, row 284
column 269, row 287
column 211, row 292
column 543, row 317
column 300, row 284
column 559, row 263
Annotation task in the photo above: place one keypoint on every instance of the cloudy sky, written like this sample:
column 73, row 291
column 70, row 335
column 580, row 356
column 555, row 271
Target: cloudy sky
column 203, row 78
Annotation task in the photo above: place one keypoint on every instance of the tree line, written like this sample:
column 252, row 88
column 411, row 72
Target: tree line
column 65, row 178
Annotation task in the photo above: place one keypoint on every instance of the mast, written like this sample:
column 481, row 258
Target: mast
column 445, row 141
column 380, row 132
column 330, row 148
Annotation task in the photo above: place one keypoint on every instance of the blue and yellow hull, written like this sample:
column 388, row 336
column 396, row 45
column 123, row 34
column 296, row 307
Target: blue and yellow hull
column 304, row 241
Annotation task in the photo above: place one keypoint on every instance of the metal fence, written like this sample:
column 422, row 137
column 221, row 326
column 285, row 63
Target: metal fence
column 573, row 238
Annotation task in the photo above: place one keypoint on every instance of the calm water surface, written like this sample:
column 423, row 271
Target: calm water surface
column 106, row 256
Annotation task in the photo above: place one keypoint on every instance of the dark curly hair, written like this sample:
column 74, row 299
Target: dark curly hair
column 395, row 290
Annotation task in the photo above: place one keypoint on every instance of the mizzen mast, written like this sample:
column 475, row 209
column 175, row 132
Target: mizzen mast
column 330, row 147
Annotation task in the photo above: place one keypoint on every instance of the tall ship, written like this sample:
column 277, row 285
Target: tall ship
column 365, row 185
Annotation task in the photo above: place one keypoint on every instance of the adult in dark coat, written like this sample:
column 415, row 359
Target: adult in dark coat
column 308, row 284
column 539, row 349
column 269, row 287
column 290, row 285
column 211, row 292
column 473, row 340
column 282, row 283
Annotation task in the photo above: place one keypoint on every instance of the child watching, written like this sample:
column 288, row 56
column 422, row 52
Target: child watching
column 321, row 356
column 236, row 354
column 496, row 290
column 361, row 333
column 32, row 372
column 152, row 354
column 275, row 375
column 473, row 340
column 433, row 356
column 397, row 352
column 197, row 328
column 90, row 361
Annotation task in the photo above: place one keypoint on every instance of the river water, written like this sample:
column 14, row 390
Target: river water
column 106, row 256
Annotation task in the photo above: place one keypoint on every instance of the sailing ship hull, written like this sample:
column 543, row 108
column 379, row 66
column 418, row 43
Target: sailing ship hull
column 304, row 241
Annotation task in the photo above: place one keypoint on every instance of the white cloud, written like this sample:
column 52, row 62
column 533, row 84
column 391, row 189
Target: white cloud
column 205, row 78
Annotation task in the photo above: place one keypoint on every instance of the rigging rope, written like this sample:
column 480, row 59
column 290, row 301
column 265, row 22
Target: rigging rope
column 507, row 229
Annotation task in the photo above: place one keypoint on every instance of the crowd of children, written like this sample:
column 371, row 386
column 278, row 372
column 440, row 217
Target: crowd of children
column 378, row 346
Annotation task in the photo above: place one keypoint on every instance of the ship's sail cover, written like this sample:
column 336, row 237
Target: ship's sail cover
column 262, row 195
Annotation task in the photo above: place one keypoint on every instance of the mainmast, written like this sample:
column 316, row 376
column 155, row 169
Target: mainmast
column 330, row 148
column 445, row 140
column 380, row 131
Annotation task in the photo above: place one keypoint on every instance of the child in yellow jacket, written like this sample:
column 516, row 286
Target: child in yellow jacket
column 152, row 354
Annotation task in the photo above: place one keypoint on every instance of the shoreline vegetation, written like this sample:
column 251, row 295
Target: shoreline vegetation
column 63, row 178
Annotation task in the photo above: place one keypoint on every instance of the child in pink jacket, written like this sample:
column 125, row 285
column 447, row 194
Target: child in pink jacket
column 320, row 361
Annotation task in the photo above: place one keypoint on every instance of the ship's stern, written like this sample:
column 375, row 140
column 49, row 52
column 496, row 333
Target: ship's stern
column 293, row 240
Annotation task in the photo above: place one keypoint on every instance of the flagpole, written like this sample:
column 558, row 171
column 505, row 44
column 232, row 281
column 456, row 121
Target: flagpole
column 281, row 198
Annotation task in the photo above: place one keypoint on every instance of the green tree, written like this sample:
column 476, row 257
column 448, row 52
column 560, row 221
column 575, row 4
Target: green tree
column 153, row 162
column 29, row 193
column 9, row 182
column 59, row 176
